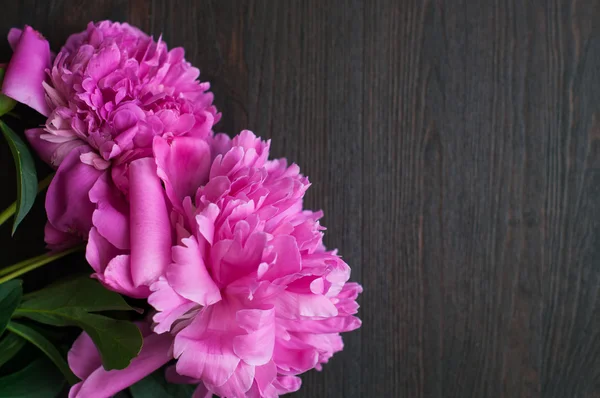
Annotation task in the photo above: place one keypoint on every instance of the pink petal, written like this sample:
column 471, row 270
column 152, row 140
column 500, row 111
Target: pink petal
column 103, row 62
column 67, row 200
column 99, row 251
column 117, row 277
column 188, row 275
column 291, row 359
column 103, row 384
column 27, row 70
column 288, row 258
column 170, row 305
column 264, row 375
column 287, row 384
column 206, row 222
column 202, row 392
column 230, row 260
column 219, row 144
column 256, row 347
column 150, row 233
column 183, row 164
column 296, row 305
column 111, row 216
column 238, row 384
column 58, row 240
column 14, row 34
column 83, row 357
column 51, row 153
column 330, row 325
column 204, row 353
column 226, row 164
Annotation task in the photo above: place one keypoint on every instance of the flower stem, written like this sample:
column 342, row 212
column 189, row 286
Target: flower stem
column 25, row 266
column 10, row 210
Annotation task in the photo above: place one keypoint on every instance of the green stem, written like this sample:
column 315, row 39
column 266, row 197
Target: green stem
column 10, row 210
column 25, row 266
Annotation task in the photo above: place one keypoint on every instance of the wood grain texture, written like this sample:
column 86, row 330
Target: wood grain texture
column 455, row 149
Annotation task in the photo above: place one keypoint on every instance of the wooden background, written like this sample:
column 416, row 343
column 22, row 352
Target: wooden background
column 455, row 149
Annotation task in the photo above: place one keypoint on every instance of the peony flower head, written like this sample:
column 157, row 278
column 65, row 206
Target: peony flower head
column 109, row 91
column 244, row 282
column 114, row 88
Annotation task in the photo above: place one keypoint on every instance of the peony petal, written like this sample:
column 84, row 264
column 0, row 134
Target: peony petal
column 202, row 392
column 287, row 384
column 292, row 359
column 83, row 357
column 183, row 164
column 205, row 353
column 150, row 233
column 256, row 347
column 219, row 144
column 103, row 384
column 58, row 240
column 67, row 200
column 99, row 251
column 188, row 275
column 288, row 258
column 51, row 153
column 14, row 34
column 117, row 277
column 27, row 70
column 170, row 305
column 206, row 222
column 230, row 260
column 210, row 359
column 103, row 62
column 111, row 216
column 296, row 305
column 264, row 375
column 337, row 324
column 238, row 384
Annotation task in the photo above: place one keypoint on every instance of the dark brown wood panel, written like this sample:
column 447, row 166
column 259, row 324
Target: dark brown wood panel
column 455, row 149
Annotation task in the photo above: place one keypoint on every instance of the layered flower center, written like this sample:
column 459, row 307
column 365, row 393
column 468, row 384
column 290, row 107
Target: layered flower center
column 114, row 88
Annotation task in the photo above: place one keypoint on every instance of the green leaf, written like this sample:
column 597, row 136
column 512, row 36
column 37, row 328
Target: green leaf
column 38, row 380
column 10, row 297
column 72, row 303
column 6, row 103
column 45, row 346
column 26, row 176
column 155, row 386
column 81, row 292
column 10, row 345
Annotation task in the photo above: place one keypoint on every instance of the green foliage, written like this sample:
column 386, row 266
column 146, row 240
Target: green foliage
column 37, row 380
column 27, row 183
column 74, row 303
column 10, row 297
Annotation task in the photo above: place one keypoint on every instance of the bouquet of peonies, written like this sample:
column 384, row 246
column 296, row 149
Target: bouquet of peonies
column 207, row 275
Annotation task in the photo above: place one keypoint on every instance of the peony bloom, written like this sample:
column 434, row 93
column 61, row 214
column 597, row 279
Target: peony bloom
column 248, row 290
column 110, row 90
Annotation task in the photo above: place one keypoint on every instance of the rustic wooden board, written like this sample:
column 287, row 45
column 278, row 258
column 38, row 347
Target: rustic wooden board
column 455, row 149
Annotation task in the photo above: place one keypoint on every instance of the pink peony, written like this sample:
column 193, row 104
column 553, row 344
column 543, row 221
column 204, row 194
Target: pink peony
column 248, row 290
column 110, row 91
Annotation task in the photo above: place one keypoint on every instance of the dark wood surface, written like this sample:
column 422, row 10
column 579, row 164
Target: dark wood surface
column 455, row 149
